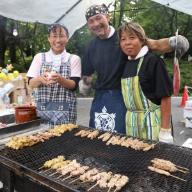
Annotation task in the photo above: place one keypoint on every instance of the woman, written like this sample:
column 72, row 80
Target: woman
column 55, row 75
column 146, row 87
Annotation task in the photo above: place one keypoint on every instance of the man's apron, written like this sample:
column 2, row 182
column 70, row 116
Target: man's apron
column 56, row 104
column 108, row 111
column 143, row 117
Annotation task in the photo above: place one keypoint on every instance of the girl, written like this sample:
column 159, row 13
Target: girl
column 55, row 75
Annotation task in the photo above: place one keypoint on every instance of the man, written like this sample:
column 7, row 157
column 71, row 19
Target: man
column 104, row 57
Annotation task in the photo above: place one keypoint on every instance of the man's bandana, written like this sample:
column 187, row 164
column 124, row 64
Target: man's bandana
column 96, row 9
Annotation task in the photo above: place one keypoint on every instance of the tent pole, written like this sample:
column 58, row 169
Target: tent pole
column 69, row 10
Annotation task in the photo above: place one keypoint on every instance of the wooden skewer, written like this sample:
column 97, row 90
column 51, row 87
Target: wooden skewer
column 115, row 190
column 163, row 172
column 86, row 181
column 60, row 176
column 56, row 172
column 67, row 177
column 45, row 171
column 92, row 187
column 74, row 180
column 182, row 171
column 177, row 177
column 182, row 168
column 109, row 189
column 42, row 167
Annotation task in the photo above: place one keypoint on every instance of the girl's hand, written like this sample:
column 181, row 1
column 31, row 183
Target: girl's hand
column 55, row 78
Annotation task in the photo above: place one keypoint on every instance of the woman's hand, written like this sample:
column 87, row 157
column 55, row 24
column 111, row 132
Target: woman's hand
column 43, row 79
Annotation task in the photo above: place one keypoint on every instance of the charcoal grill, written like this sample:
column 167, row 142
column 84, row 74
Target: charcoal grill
column 23, row 165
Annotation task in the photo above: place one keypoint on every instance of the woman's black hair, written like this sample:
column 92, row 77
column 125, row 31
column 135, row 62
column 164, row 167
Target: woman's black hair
column 54, row 26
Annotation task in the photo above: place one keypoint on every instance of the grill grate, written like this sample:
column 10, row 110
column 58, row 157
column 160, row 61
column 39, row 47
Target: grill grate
column 114, row 158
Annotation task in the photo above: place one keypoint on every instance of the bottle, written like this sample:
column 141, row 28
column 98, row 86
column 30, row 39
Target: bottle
column 20, row 100
column 6, row 101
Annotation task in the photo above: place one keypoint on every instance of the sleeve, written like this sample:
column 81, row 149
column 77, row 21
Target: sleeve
column 76, row 80
column 87, row 67
column 35, row 67
column 75, row 66
column 164, row 86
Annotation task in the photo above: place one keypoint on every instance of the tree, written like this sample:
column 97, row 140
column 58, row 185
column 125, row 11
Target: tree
column 157, row 20
column 3, row 21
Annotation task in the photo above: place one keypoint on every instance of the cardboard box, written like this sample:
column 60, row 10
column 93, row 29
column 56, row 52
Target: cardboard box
column 19, row 84
column 2, row 83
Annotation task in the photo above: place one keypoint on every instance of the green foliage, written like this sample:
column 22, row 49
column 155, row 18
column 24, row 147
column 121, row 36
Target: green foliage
column 185, row 71
column 79, row 40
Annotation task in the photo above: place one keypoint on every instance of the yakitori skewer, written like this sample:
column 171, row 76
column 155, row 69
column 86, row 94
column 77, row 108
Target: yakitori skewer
column 160, row 171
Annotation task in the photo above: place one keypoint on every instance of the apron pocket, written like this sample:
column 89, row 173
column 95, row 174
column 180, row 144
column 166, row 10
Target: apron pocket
column 54, row 112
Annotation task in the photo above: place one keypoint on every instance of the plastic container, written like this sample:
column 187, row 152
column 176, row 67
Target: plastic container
column 25, row 114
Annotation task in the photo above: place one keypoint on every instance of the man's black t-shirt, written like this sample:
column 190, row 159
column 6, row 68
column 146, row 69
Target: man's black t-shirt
column 104, row 57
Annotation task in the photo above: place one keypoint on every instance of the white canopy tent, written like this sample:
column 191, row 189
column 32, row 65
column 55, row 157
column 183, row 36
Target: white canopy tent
column 184, row 6
column 71, row 13
column 68, row 12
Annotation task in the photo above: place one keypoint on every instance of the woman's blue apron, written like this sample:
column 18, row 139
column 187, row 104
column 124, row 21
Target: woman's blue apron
column 56, row 104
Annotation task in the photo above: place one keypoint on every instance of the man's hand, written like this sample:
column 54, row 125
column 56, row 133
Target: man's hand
column 85, row 85
column 180, row 44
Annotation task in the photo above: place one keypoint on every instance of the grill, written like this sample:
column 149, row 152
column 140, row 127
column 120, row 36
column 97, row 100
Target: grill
column 96, row 153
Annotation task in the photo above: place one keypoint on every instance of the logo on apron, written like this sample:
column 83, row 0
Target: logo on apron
column 105, row 121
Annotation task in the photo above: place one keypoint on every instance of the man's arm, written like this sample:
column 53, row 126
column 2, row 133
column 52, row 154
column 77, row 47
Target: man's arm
column 161, row 45
column 165, row 112
column 165, row 45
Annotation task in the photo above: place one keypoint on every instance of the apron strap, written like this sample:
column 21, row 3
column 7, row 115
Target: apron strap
column 139, row 65
column 43, row 57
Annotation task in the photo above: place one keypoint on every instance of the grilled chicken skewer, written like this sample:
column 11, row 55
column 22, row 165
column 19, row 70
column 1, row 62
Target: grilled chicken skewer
column 102, row 180
column 19, row 142
column 167, row 165
column 112, row 181
column 113, row 140
column 67, row 169
column 107, row 179
column 93, row 134
column 88, row 133
column 83, row 133
column 160, row 171
column 76, row 172
column 79, row 133
column 48, row 164
column 121, row 183
column 60, row 166
column 85, row 177
column 126, row 142
column 105, row 136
